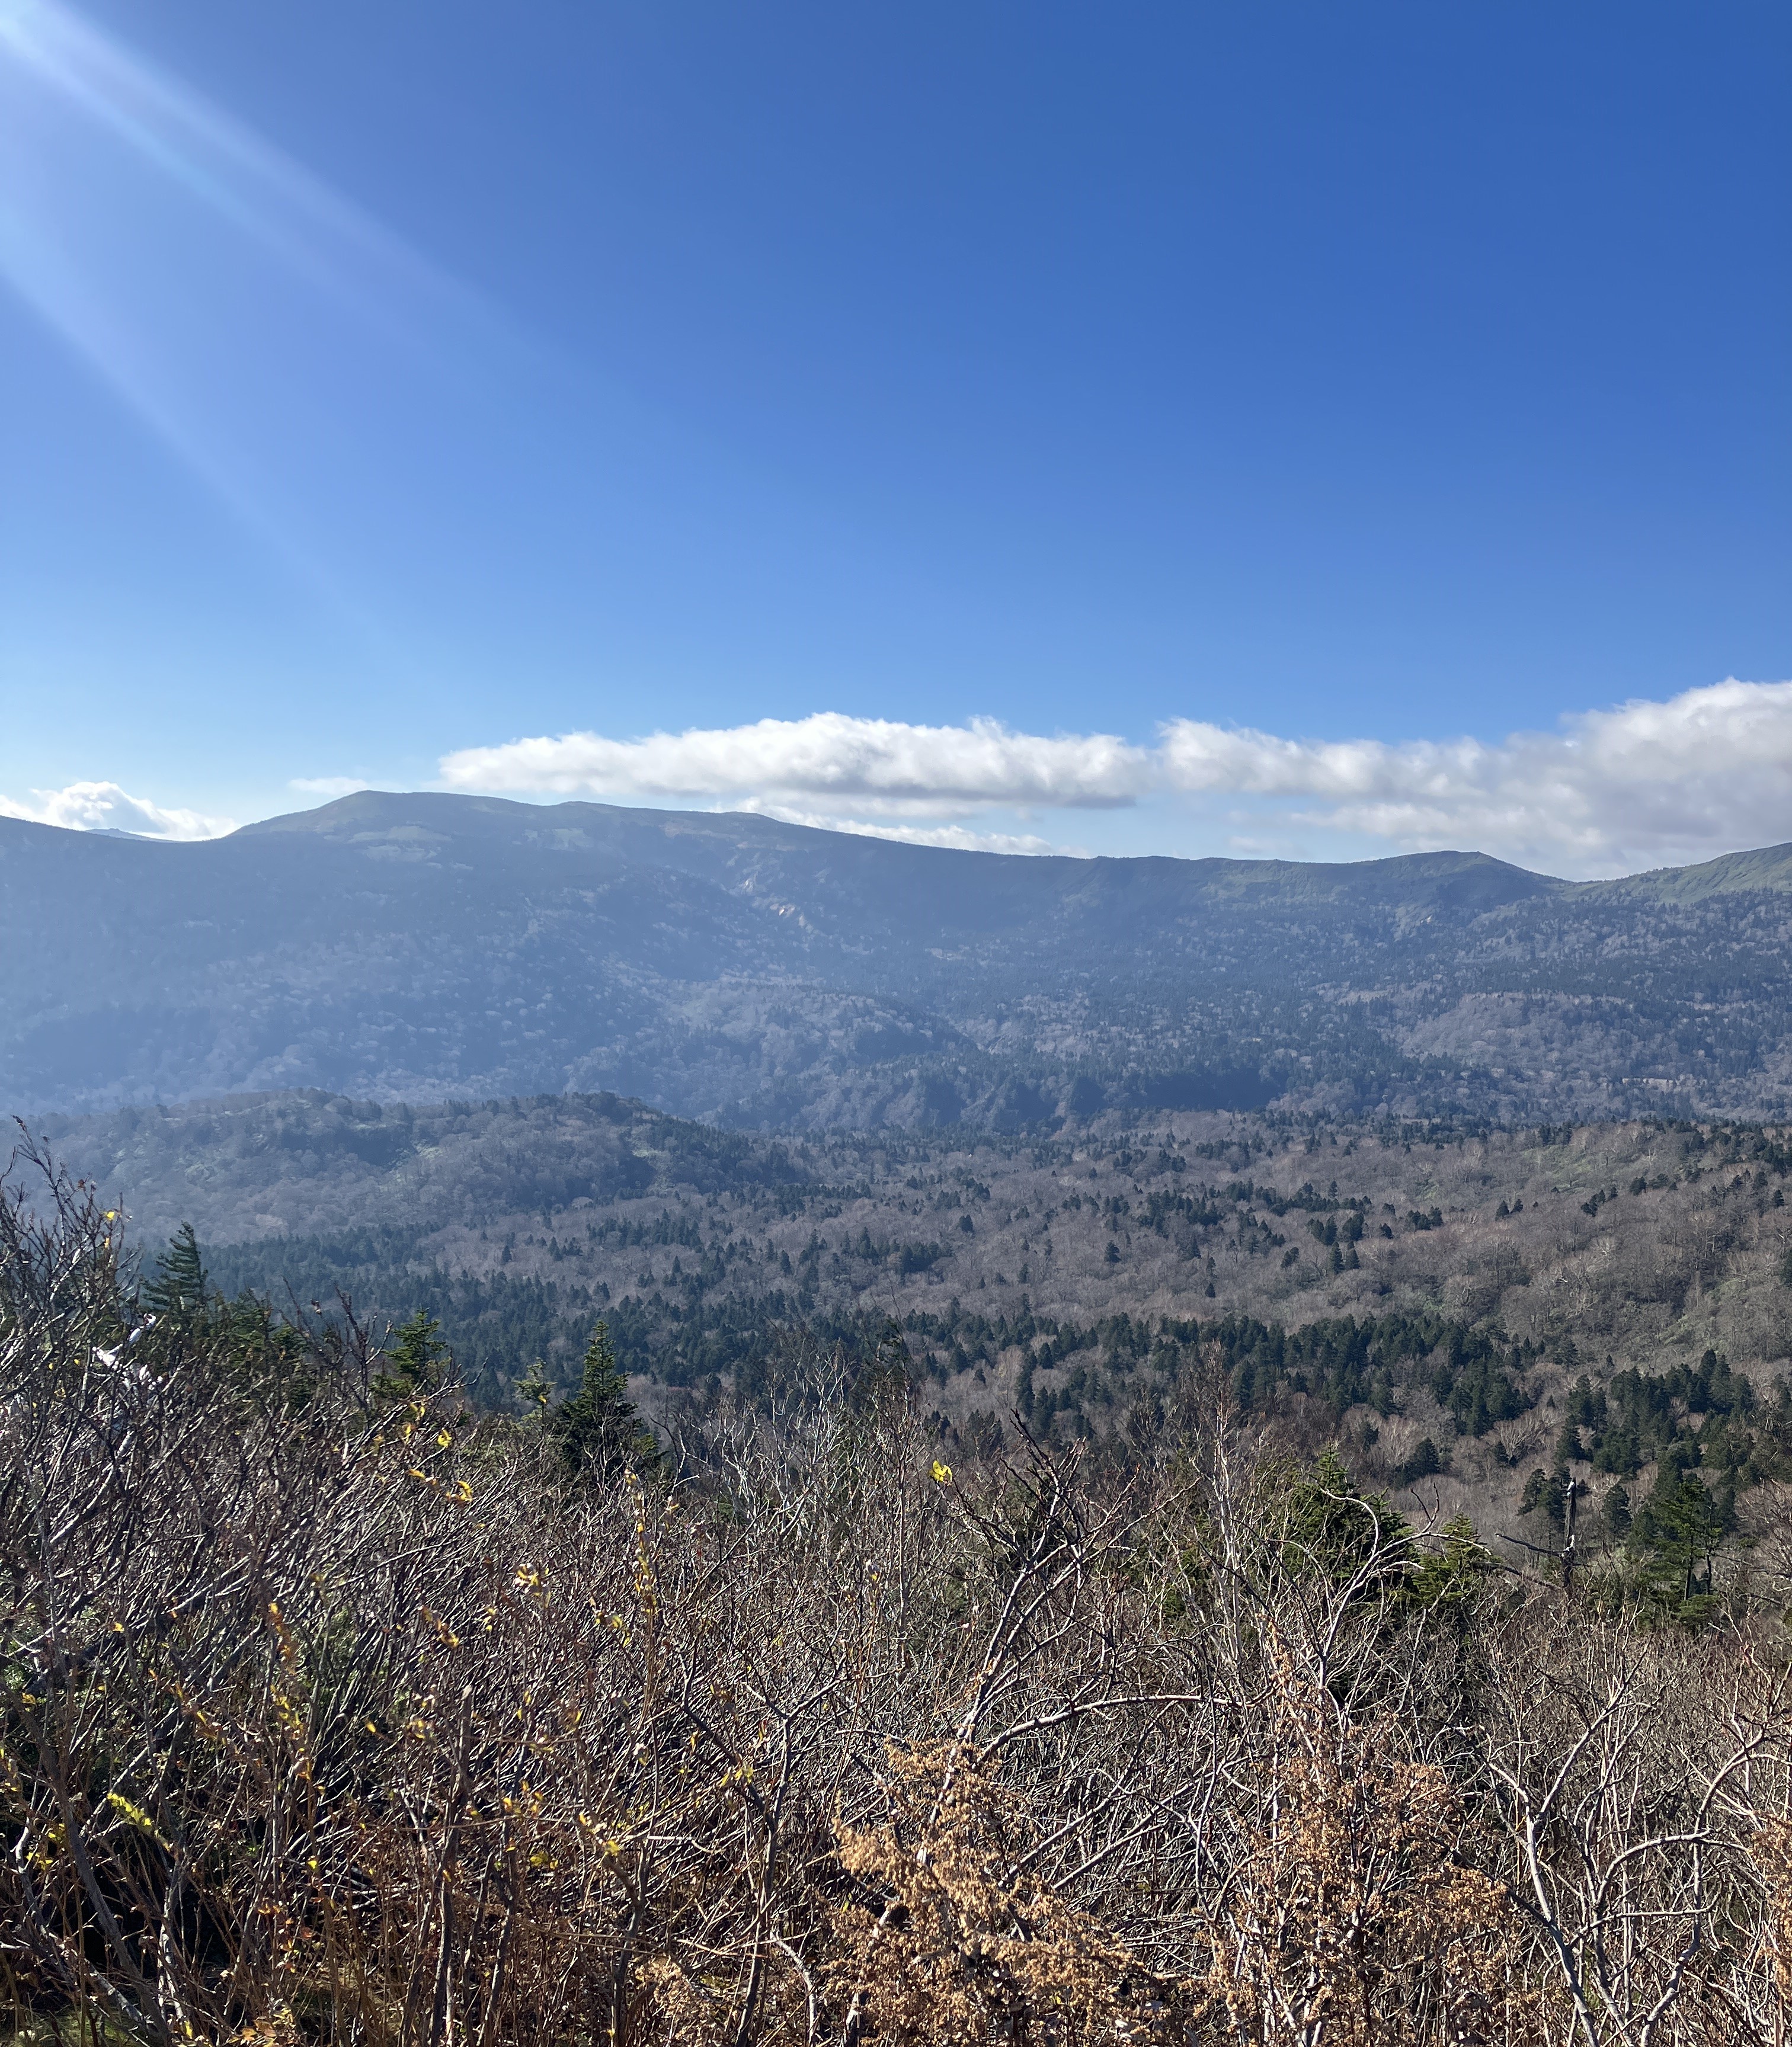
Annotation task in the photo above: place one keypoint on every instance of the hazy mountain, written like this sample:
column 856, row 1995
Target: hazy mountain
column 752, row 972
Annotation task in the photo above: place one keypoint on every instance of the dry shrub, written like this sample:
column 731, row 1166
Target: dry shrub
column 1772, row 1847
column 948, row 1936
column 680, row 2007
column 329, row 1719
column 1352, row 1915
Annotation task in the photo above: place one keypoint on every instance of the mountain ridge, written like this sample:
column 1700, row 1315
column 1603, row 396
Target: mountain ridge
column 757, row 973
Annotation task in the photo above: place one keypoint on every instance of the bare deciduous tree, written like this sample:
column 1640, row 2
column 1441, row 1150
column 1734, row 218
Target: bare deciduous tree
column 332, row 1712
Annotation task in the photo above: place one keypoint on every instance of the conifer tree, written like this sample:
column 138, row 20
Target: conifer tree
column 414, row 1360
column 534, row 1391
column 176, row 1295
column 1343, row 1531
column 599, row 1431
column 1679, row 1530
column 1452, row 1577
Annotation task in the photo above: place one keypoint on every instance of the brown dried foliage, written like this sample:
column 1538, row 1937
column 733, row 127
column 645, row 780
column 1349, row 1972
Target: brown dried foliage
column 327, row 1721
column 950, row 1935
column 1353, row 1915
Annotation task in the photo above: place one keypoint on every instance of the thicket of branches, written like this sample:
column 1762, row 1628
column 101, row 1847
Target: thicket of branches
column 332, row 1712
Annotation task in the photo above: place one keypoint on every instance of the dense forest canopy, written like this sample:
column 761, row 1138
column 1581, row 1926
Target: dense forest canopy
column 1428, row 1296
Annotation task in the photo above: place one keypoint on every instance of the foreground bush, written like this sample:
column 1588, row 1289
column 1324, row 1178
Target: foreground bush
column 333, row 1713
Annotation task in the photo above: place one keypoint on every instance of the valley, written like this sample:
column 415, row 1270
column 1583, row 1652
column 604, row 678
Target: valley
column 1072, row 1280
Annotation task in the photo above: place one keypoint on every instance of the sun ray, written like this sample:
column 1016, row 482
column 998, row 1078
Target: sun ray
column 231, row 299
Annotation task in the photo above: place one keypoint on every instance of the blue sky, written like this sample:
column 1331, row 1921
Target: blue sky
column 1301, row 428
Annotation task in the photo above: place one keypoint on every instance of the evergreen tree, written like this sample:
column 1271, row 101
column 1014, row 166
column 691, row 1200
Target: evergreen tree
column 1679, row 1530
column 1344, row 1531
column 413, row 1361
column 1548, row 1489
column 176, row 1295
column 265, row 1356
column 1423, row 1463
column 598, row 1430
column 1451, row 1579
column 534, row 1391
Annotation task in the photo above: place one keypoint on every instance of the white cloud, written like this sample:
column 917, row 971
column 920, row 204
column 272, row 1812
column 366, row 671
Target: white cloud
column 960, row 838
column 956, row 836
column 878, row 765
column 104, row 806
column 329, row 785
column 1644, row 785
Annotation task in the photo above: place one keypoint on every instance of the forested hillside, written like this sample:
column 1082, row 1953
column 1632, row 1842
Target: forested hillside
column 756, row 974
column 1450, row 1305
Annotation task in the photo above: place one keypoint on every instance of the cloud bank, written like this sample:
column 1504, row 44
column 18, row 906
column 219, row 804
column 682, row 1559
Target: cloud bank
column 1642, row 784
column 1645, row 783
column 891, row 768
column 104, row 806
column 330, row 786
column 1707, row 771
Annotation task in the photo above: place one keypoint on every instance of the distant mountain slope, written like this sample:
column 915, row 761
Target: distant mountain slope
column 252, row 1165
column 758, row 973
column 1767, row 870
